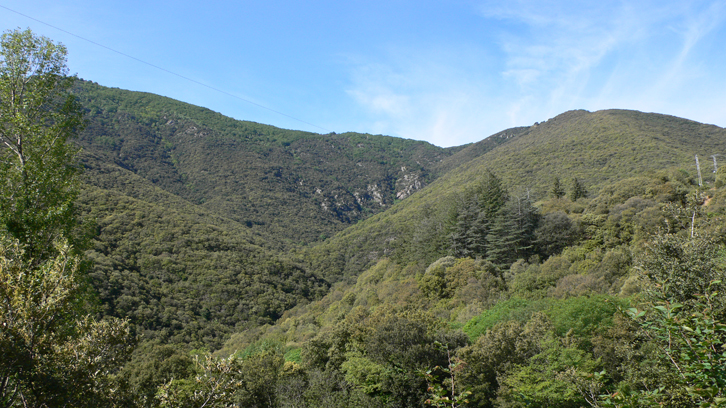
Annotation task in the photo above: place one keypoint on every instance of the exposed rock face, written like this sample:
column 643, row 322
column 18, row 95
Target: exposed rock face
column 407, row 185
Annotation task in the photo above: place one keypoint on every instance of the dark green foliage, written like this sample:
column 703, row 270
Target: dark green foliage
column 152, row 365
column 555, row 232
column 512, row 235
column 289, row 185
column 577, row 190
column 477, row 214
column 185, row 279
column 469, row 230
column 556, row 190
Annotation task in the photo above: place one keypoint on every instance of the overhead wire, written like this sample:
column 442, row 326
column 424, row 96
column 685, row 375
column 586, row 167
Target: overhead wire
column 165, row 70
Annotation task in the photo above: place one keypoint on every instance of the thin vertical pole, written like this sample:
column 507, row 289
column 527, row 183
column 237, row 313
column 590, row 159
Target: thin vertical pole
column 698, row 166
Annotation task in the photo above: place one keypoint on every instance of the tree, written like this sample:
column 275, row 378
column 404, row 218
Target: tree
column 557, row 191
column 512, row 234
column 54, row 354
column 555, row 232
column 682, row 317
column 472, row 218
column 38, row 171
column 577, row 190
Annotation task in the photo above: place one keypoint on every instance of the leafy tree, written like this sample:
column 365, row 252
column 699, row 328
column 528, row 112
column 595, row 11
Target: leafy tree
column 444, row 389
column 555, row 232
column 151, row 366
column 681, row 268
column 682, row 316
column 53, row 354
column 38, row 172
column 502, row 347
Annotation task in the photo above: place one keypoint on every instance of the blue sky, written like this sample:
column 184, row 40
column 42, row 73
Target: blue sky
column 449, row 72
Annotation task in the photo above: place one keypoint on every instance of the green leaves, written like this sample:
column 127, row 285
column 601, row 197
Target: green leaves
column 53, row 353
column 38, row 172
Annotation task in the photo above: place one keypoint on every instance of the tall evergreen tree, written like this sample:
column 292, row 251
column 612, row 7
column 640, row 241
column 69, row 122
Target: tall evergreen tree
column 512, row 234
column 473, row 217
column 557, row 191
column 469, row 229
column 577, row 190
column 492, row 194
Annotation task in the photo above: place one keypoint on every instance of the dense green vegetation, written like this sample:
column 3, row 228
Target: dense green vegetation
column 295, row 187
column 53, row 352
column 202, row 261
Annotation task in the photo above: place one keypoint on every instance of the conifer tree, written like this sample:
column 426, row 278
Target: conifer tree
column 512, row 234
column 473, row 217
column 577, row 190
column 492, row 194
column 557, row 191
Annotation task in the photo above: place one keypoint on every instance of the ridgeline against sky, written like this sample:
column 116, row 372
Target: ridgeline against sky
column 446, row 72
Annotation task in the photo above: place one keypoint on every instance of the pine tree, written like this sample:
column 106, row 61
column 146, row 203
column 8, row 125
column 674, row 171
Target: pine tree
column 468, row 238
column 491, row 194
column 512, row 234
column 473, row 217
column 577, row 190
column 557, row 191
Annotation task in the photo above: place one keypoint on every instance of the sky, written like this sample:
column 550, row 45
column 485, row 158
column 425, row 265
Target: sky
column 449, row 72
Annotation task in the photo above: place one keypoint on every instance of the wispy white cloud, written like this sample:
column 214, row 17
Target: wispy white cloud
column 417, row 94
column 550, row 57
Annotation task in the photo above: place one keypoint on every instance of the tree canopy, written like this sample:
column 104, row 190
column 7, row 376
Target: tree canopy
column 54, row 353
column 38, row 170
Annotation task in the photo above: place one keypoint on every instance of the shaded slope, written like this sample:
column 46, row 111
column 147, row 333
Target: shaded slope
column 181, row 273
column 293, row 186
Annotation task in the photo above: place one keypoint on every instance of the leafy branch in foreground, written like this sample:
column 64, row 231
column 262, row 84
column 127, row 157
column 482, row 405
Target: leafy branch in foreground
column 443, row 391
column 683, row 320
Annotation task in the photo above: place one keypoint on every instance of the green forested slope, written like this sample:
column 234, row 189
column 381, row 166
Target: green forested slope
column 192, row 210
column 602, row 147
column 296, row 187
column 617, row 301
column 182, row 274
column 200, row 217
column 575, row 262
column 599, row 149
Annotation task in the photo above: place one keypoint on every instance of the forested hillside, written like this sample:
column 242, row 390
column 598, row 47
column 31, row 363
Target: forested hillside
column 597, row 149
column 157, row 254
column 192, row 210
column 294, row 187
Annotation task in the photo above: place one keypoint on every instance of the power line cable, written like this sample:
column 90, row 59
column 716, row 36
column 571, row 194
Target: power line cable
column 165, row 70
